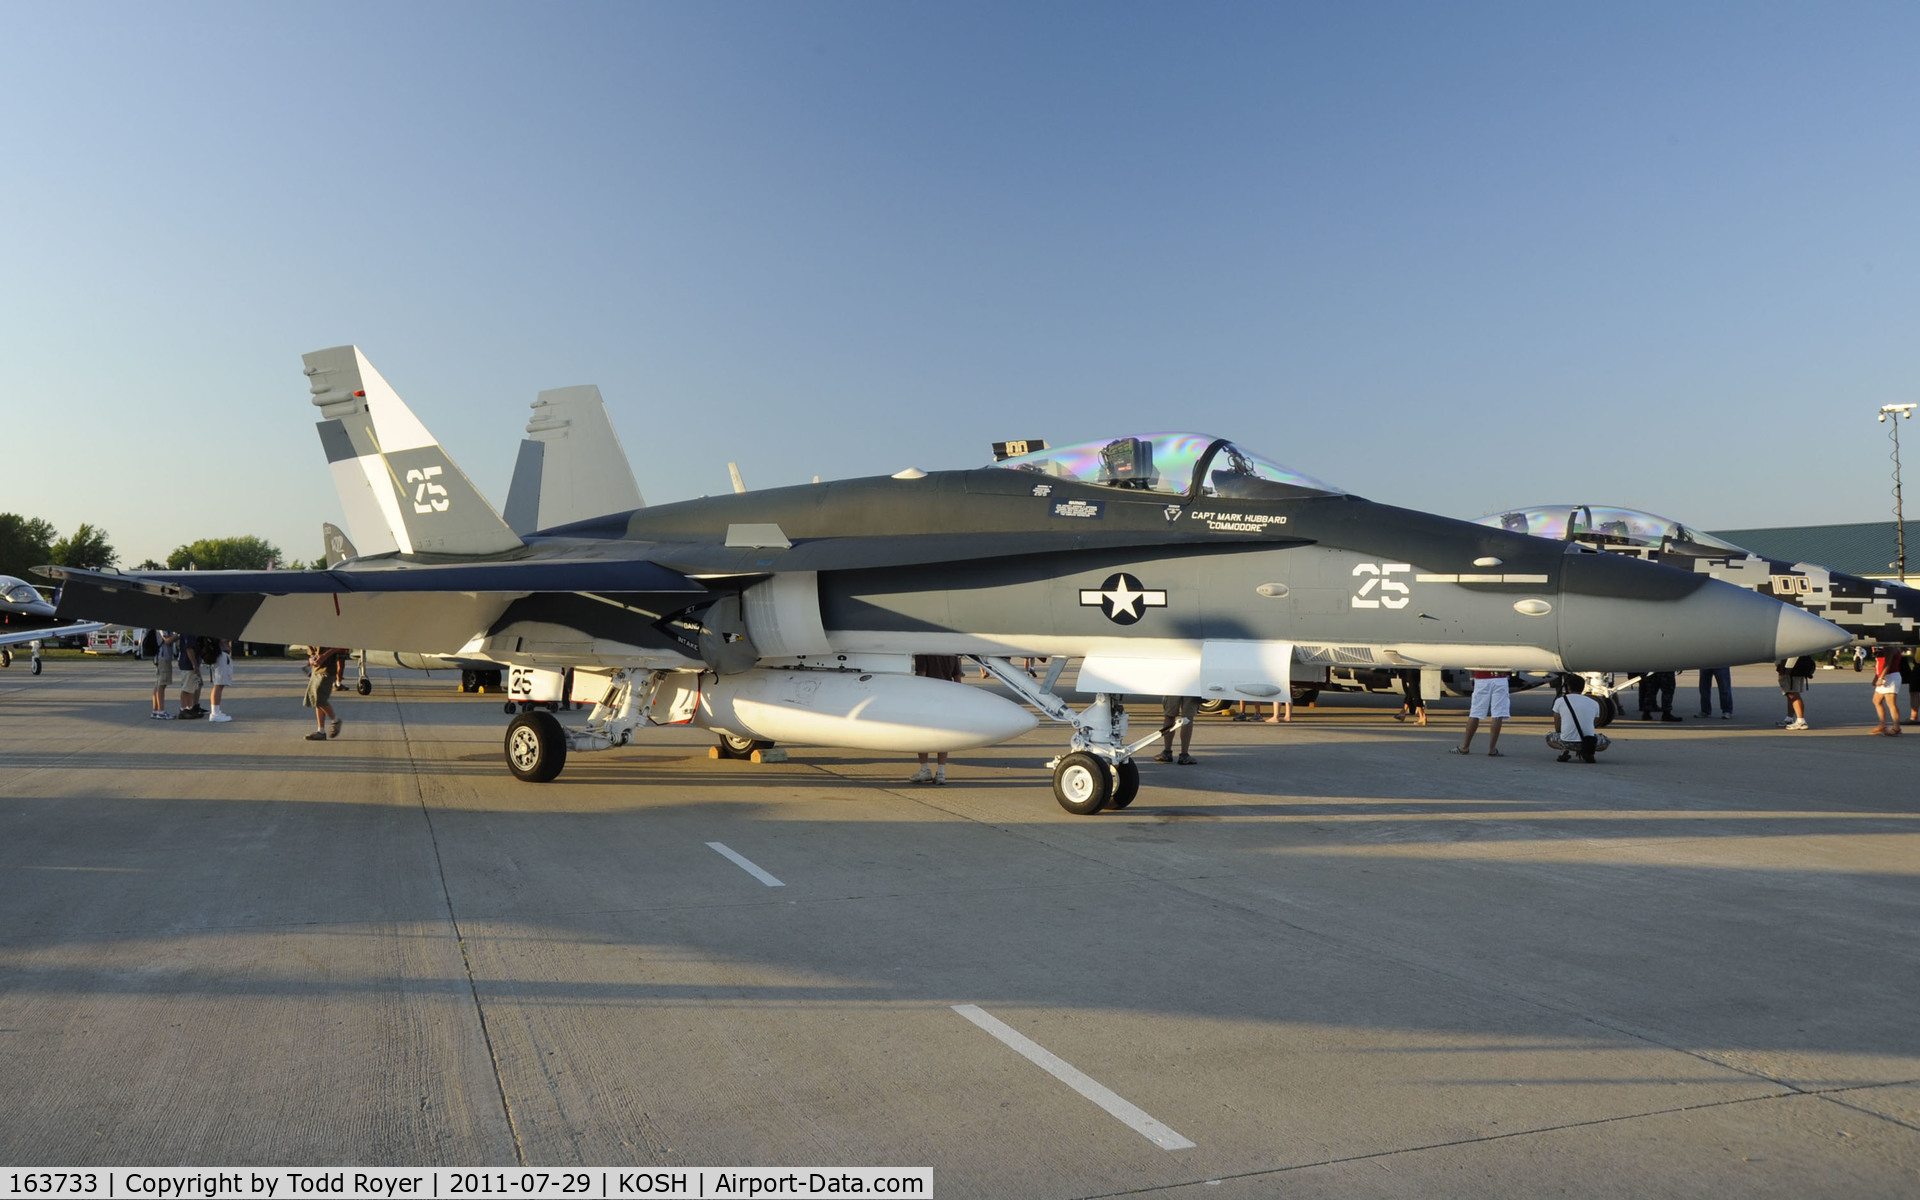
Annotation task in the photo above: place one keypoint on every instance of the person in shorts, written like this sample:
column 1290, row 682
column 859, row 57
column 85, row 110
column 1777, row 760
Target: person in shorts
column 1490, row 703
column 1576, row 718
column 188, row 657
column 162, row 673
column 1172, row 708
column 1886, row 690
column 220, row 667
column 320, row 664
column 1794, row 677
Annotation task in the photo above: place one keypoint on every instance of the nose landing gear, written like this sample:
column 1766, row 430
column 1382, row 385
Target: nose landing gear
column 1098, row 770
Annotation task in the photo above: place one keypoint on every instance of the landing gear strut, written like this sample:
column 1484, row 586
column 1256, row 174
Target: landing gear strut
column 1098, row 770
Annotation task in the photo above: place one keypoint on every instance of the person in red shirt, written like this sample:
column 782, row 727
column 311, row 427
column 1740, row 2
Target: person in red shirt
column 1886, row 690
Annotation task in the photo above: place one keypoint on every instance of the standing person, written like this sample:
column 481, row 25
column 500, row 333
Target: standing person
column 221, row 666
column 1724, row 677
column 1794, row 677
column 1172, row 708
column 1412, row 704
column 1492, row 702
column 1910, row 671
column 320, row 663
column 188, row 652
column 935, row 666
column 158, row 646
column 1886, row 690
column 1656, row 695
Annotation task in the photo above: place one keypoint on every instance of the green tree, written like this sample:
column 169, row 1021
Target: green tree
column 25, row 543
column 86, row 548
column 224, row 554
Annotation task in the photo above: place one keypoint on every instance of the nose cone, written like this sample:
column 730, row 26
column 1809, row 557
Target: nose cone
column 1800, row 632
column 1619, row 614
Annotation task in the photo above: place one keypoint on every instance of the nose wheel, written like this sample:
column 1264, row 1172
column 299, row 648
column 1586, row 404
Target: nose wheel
column 1082, row 783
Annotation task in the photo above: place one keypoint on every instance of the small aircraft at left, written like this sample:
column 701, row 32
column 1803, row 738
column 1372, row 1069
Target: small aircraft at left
column 1171, row 564
column 27, row 618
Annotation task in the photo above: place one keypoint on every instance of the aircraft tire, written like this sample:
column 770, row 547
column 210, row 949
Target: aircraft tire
column 1210, row 707
column 6, row 658
column 741, row 747
column 1304, row 694
column 536, row 747
column 1609, row 709
column 1126, row 785
column 36, row 666
column 1082, row 783
column 364, row 687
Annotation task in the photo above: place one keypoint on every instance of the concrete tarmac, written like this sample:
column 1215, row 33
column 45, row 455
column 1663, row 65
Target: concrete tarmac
column 1332, row 957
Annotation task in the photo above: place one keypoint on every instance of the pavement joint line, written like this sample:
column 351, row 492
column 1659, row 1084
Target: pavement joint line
column 1128, row 1114
column 1470, row 1141
column 459, row 936
column 744, row 863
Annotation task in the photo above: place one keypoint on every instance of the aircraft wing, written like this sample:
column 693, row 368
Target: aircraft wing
column 49, row 632
column 433, row 608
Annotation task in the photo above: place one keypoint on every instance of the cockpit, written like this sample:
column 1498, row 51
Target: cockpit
column 18, row 591
column 1172, row 464
column 1608, row 527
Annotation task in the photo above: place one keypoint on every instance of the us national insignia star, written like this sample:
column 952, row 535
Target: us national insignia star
column 1123, row 599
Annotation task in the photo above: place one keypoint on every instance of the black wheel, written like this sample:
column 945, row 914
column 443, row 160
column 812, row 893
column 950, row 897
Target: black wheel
column 1082, row 783
column 1215, row 706
column 1304, row 694
column 364, row 687
column 512, row 708
column 735, row 746
column 469, row 681
column 36, row 666
column 6, row 658
column 536, row 747
column 1609, row 709
column 1126, row 784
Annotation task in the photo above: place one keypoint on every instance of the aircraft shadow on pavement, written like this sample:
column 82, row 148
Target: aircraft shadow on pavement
column 1248, row 920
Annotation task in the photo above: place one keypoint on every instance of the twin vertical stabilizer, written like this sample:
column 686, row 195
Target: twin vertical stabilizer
column 399, row 488
column 570, row 467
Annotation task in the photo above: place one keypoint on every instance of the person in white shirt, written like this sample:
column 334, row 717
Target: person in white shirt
column 1574, row 717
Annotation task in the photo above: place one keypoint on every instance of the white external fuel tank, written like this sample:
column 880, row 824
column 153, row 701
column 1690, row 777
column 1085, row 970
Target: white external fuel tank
column 857, row 710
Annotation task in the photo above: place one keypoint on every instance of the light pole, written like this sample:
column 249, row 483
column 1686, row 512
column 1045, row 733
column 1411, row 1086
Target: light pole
column 1894, row 412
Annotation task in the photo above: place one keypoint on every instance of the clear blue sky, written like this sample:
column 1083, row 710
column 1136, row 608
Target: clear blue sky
column 1449, row 256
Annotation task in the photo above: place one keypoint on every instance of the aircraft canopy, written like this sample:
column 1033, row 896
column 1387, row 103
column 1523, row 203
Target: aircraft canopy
column 18, row 591
column 1172, row 464
column 1618, row 526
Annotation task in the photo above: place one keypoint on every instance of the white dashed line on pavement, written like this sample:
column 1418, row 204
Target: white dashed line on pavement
column 744, row 864
column 1127, row 1114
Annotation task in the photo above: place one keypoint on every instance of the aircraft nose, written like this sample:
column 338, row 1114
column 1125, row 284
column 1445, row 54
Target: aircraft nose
column 1618, row 614
column 1800, row 632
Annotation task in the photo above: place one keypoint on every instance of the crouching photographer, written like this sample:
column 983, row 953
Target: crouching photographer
column 1575, row 724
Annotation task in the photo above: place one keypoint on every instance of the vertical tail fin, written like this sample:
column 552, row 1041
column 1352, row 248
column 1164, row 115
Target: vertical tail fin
column 571, row 467
column 399, row 488
column 338, row 548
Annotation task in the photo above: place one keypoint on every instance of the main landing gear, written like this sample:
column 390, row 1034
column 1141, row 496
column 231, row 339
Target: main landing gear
column 1098, row 770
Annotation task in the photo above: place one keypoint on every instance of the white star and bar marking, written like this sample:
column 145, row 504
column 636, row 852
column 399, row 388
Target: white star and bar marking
column 1123, row 599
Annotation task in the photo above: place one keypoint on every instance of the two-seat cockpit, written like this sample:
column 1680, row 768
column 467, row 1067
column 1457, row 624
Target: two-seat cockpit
column 1612, row 529
column 1192, row 465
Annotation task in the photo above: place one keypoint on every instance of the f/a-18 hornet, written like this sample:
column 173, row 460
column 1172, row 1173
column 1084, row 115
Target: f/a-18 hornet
column 1171, row 563
column 1873, row 611
column 27, row 619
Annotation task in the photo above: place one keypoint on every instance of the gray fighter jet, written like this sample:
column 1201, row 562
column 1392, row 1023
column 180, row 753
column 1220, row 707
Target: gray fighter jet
column 1874, row 611
column 1171, row 563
